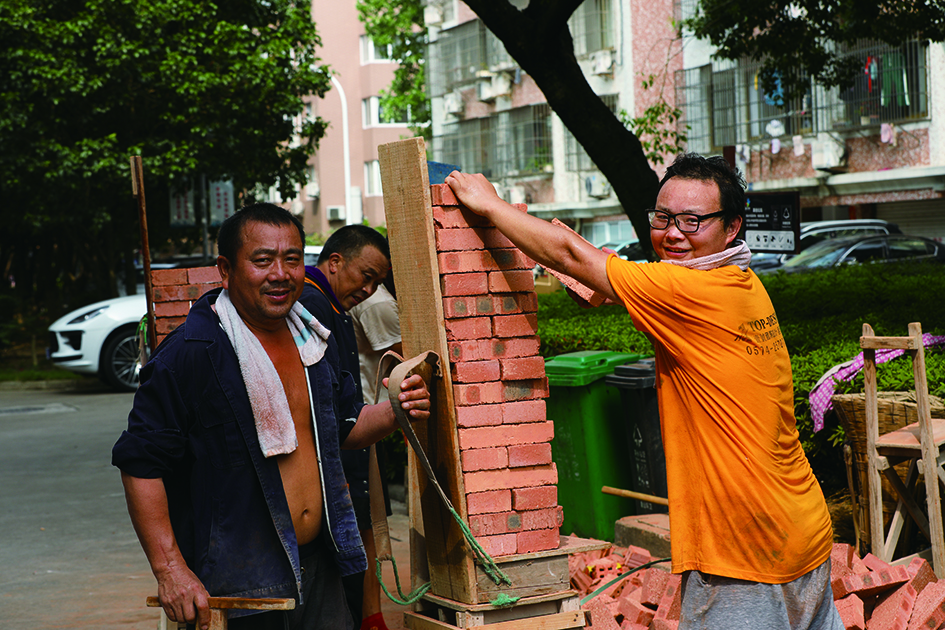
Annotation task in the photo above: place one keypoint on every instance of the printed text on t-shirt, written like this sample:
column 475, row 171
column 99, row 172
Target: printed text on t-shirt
column 761, row 336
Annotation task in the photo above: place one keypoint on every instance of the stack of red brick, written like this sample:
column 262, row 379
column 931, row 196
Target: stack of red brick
column 648, row 598
column 499, row 383
column 174, row 290
column 869, row 593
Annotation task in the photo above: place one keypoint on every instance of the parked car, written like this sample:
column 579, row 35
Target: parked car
column 311, row 255
column 864, row 249
column 101, row 339
column 816, row 231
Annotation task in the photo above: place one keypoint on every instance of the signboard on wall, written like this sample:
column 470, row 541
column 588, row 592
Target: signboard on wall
column 182, row 208
column 221, row 202
column 773, row 222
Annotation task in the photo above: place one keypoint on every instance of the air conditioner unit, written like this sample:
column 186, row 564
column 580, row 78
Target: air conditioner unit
column 336, row 213
column 453, row 103
column 517, row 194
column 597, row 186
column 602, row 62
column 497, row 85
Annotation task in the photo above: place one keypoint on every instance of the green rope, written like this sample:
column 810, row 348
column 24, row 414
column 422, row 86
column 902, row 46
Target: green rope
column 407, row 599
column 620, row 577
column 503, row 601
column 488, row 564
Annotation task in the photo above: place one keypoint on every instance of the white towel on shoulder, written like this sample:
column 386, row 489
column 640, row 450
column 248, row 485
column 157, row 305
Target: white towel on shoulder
column 274, row 424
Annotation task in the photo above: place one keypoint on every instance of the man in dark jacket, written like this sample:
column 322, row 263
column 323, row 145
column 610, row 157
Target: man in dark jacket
column 231, row 461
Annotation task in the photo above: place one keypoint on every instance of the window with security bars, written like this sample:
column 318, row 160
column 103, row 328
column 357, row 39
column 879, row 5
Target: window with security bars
column 457, row 56
column 729, row 105
column 470, row 144
column 575, row 155
column 592, row 26
column 523, row 140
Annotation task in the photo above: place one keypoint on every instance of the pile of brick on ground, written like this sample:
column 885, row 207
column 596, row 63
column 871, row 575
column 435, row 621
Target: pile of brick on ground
column 869, row 594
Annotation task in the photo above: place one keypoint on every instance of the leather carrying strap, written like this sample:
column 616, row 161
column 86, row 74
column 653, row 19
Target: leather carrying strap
column 392, row 365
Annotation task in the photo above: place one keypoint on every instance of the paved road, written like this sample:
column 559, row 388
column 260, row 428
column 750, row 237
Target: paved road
column 69, row 557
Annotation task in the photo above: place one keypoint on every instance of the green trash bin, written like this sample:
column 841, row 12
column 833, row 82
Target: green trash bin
column 590, row 443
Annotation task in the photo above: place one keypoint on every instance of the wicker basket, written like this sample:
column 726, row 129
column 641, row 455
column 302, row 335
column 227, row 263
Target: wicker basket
column 896, row 410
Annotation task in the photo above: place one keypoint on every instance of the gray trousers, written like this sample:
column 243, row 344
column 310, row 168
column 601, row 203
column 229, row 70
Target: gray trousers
column 712, row 602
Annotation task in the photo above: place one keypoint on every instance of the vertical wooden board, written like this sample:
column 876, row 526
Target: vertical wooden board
column 410, row 229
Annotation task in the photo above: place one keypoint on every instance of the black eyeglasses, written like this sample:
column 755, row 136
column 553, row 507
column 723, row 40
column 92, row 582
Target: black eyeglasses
column 685, row 221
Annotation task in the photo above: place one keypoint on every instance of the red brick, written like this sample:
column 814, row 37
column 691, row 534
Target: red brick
column 602, row 617
column 512, row 347
column 524, row 390
column 515, row 325
column 522, row 368
column 475, row 371
column 468, row 328
column 893, row 612
column 484, row 459
column 160, row 338
column 478, row 393
column 501, row 545
column 185, row 292
column 487, row 502
column 534, row 498
column 479, row 415
column 165, row 325
column 671, row 601
column 466, row 261
column 851, row 612
column 664, row 624
column 634, row 612
column 550, row 518
column 636, row 556
column 874, row 563
column 464, row 284
column 171, row 309
column 510, row 258
column 497, row 523
column 929, row 609
column 469, row 350
column 654, row 585
column 467, row 306
column 841, row 560
column 442, row 195
column 922, row 574
column 524, row 411
column 866, row 584
column 529, row 454
column 510, row 434
column 446, row 217
column 538, row 540
column 513, row 281
column 512, row 303
column 484, row 480
column 164, row 277
column 459, row 239
column 204, row 275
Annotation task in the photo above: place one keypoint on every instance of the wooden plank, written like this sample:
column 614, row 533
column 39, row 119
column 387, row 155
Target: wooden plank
column 415, row 621
column 890, row 343
column 877, row 536
column 557, row 621
column 566, row 545
column 536, row 576
column 525, row 601
column 241, row 603
column 410, row 229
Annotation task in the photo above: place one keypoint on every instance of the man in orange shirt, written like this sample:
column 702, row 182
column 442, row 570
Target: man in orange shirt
column 750, row 529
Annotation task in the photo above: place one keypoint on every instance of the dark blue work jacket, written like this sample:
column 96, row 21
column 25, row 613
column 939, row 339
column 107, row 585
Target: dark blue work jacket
column 193, row 426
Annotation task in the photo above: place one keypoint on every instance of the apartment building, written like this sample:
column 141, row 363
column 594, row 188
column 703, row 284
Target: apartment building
column 344, row 176
column 874, row 150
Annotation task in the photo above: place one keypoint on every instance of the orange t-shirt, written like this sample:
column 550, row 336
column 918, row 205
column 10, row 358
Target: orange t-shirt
column 743, row 501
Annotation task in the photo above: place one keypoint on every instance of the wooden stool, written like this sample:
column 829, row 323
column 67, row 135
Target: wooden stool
column 919, row 443
column 219, row 606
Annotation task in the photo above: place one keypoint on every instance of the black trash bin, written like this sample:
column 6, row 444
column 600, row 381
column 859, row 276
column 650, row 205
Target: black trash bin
column 644, row 439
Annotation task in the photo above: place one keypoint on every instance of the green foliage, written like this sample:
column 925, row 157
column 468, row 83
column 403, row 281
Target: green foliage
column 796, row 39
column 656, row 128
column 821, row 316
column 193, row 87
column 400, row 24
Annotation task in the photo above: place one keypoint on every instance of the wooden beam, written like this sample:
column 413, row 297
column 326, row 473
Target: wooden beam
column 410, row 228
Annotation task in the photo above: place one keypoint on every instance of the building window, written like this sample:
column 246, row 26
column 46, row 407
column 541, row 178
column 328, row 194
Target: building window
column 311, row 187
column 523, row 141
column 372, row 179
column 610, row 233
column 373, row 115
column 592, row 27
column 725, row 103
column 577, row 158
column 372, row 53
column 469, row 144
column 459, row 55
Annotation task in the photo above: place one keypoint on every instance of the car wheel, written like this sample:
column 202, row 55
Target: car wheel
column 119, row 364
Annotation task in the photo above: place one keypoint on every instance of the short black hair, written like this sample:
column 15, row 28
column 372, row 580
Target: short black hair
column 350, row 240
column 716, row 169
column 230, row 236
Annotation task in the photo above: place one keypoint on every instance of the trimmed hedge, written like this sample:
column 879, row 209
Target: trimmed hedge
column 821, row 316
